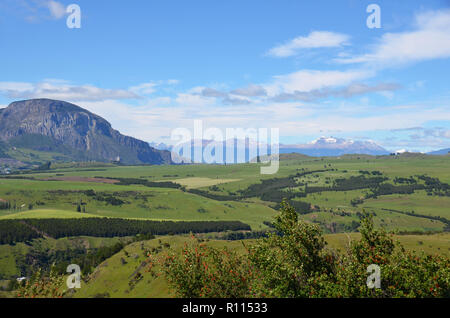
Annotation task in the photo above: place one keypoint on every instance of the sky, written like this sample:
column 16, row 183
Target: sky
column 309, row 68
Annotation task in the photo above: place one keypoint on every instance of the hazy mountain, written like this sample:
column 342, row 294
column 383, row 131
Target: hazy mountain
column 330, row 146
column 71, row 131
column 233, row 151
column 440, row 152
column 160, row 145
column 248, row 149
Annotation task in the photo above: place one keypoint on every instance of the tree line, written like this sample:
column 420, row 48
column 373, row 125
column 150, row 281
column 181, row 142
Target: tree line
column 86, row 258
column 12, row 231
column 145, row 182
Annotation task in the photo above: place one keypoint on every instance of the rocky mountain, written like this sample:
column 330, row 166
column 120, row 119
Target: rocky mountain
column 72, row 132
column 331, row 146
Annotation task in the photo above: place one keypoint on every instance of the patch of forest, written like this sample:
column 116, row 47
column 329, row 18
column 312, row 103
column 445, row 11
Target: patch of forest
column 12, row 231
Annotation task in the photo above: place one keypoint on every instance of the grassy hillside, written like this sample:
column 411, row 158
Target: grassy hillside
column 114, row 277
column 46, row 214
column 12, row 255
column 139, row 202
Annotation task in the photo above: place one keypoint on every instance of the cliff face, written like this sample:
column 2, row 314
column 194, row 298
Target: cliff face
column 56, row 125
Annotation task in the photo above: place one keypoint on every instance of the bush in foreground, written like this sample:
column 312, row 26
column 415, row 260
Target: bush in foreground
column 295, row 262
column 41, row 286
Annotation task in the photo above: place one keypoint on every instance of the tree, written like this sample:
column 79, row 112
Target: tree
column 403, row 273
column 291, row 257
column 45, row 166
column 206, row 272
column 40, row 286
column 294, row 261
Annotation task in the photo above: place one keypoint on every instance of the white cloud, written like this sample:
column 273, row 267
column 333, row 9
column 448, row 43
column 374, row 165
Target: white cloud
column 309, row 80
column 430, row 40
column 196, row 90
column 233, row 100
column 12, row 87
column 156, row 118
column 64, row 90
column 304, row 85
column 150, row 87
column 211, row 92
column 316, row 39
column 144, row 88
column 35, row 10
column 195, row 100
column 57, row 9
column 250, row 91
column 61, row 91
column 152, row 120
column 385, row 89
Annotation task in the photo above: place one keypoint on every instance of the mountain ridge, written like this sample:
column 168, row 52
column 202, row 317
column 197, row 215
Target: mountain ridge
column 332, row 146
column 52, row 125
column 444, row 151
column 321, row 147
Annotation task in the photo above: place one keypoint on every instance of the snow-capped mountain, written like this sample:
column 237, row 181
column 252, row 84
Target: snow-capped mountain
column 332, row 146
column 248, row 150
column 160, row 145
column 327, row 141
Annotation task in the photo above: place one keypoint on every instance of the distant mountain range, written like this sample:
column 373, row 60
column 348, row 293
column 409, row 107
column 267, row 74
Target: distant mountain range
column 445, row 151
column 324, row 146
column 67, row 132
column 243, row 150
column 39, row 130
column 321, row 147
column 331, row 146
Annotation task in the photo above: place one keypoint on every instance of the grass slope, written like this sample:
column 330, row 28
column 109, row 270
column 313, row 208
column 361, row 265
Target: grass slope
column 114, row 277
column 10, row 254
column 46, row 214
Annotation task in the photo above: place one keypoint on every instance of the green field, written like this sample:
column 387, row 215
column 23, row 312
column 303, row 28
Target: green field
column 141, row 202
column 194, row 182
column 46, row 214
column 173, row 204
column 68, row 188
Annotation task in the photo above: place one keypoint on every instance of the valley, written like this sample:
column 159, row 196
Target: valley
column 332, row 192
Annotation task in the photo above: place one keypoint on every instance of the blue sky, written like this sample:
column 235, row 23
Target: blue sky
column 310, row 68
